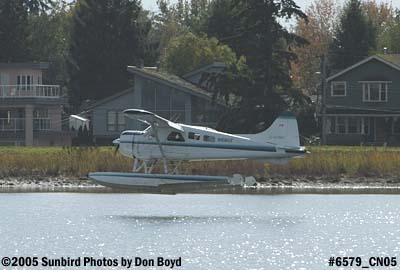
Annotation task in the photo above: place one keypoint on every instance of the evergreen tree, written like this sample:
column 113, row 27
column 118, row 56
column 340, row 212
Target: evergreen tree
column 14, row 44
column 105, row 38
column 267, row 47
column 354, row 38
column 49, row 39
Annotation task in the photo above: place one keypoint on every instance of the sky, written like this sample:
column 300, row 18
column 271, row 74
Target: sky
column 303, row 4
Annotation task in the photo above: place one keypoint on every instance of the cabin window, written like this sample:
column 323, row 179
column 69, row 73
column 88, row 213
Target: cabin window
column 338, row 89
column 375, row 91
column 176, row 137
column 194, row 136
column 207, row 138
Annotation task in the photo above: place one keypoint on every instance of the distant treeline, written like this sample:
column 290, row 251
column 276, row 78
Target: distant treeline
column 270, row 68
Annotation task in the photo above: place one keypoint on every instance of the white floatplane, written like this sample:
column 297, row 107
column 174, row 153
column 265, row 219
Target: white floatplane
column 171, row 143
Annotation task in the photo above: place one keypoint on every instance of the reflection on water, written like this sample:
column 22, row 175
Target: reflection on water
column 207, row 231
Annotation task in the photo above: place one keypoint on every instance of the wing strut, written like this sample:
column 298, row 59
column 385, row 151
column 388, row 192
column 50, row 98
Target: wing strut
column 161, row 149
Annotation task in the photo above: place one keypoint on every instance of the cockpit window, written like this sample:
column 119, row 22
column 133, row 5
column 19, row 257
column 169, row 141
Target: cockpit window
column 194, row 136
column 175, row 136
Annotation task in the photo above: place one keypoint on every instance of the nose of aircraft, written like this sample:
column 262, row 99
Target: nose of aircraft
column 116, row 141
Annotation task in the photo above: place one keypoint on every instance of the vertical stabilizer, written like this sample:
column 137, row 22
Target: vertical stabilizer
column 283, row 131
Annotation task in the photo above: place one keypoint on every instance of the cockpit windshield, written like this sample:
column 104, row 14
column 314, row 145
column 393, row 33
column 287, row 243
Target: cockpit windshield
column 175, row 136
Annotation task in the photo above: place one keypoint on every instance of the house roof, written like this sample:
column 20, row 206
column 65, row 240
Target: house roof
column 169, row 79
column 204, row 68
column 392, row 60
column 29, row 65
column 163, row 77
column 107, row 99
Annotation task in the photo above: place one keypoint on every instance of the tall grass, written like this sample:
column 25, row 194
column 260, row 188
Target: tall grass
column 323, row 161
column 71, row 162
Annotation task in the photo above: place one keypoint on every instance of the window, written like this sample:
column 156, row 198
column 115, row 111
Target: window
column 115, row 121
column 40, row 113
column 375, row 91
column 341, row 125
column 24, row 82
column 164, row 101
column 338, row 89
column 354, row 125
column 347, row 125
column 121, row 121
column 176, row 137
column 396, row 125
column 207, row 138
column 111, row 121
column 330, row 125
column 365, row 125
column 194, row 136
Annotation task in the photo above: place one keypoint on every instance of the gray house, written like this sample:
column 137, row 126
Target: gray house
column 165, row 94
column 363, row 103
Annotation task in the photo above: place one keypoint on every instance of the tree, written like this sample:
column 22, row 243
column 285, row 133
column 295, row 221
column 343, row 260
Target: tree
column 390, row 37
column 267, row 47
column 49, row 39
column 383, row 18
column 36, row 6
column 189, row 52
column 14, row 45
column 354, row 38
column 171, row 21
column 319, row 31
column 104, row 39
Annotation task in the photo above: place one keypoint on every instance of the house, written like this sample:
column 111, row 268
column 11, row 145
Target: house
column 363, row 103
column 165, row 94
column 30, row 111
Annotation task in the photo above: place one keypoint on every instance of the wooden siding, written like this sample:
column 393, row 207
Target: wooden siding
column 371, row 71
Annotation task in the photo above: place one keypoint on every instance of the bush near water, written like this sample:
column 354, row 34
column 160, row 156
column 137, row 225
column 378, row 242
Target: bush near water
column 75, row 162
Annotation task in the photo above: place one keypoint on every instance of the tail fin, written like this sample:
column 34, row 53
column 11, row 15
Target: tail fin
column 283, row 131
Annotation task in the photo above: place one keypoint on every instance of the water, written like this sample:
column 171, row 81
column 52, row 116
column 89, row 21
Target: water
column 206, row 231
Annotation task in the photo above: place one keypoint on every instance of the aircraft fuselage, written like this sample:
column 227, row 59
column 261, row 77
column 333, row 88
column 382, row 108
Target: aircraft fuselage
column 199, row 143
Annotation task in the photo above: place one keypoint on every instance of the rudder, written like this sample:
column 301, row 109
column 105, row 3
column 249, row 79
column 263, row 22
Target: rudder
column 283, row 131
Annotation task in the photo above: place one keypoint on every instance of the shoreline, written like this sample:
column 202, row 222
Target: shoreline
column 271, row 186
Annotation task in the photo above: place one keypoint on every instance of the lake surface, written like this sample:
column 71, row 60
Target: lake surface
column 206, row 231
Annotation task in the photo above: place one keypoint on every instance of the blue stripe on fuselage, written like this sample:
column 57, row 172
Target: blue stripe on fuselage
column 213, row 145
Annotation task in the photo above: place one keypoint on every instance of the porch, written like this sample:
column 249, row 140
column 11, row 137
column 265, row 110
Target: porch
column 368, row 129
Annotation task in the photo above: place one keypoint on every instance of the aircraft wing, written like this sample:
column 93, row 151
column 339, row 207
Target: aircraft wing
column 151, row 119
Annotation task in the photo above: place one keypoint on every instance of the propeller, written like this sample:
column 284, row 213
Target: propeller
column 116, row 142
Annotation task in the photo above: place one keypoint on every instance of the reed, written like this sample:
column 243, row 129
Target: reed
column 322, row 162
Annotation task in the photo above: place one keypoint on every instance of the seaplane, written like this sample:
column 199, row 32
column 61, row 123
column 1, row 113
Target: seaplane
column 170, row 143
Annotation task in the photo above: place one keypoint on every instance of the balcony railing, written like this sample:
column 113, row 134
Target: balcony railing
column 12, row 124
column 30, row 91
